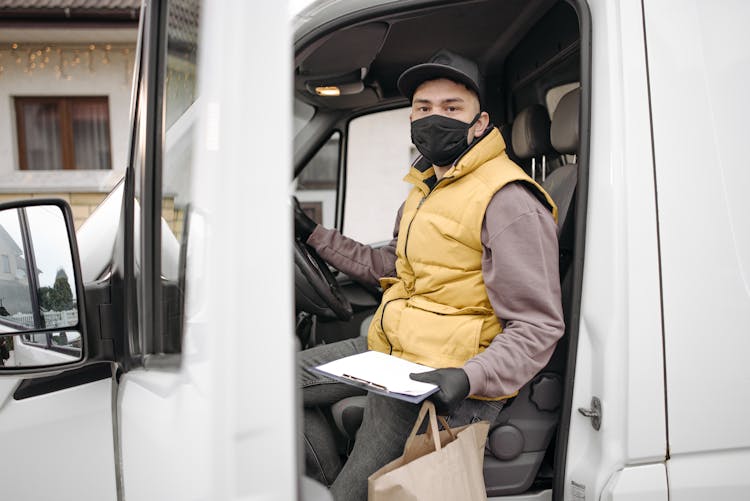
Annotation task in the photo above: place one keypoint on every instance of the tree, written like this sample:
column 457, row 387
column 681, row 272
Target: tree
column 59, row 297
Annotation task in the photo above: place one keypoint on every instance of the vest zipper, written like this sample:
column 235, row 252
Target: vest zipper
column 406, row 257
column 408, row 228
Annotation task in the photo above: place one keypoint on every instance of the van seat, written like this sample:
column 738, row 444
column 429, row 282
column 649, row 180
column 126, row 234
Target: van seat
column 564, row 135
column 522, row 433
column 531, row 139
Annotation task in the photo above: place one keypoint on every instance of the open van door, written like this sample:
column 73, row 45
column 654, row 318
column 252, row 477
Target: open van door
column 205, row 403
column 185, row 389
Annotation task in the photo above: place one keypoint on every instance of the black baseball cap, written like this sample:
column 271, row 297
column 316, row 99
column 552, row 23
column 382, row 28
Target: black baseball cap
column 443, row 64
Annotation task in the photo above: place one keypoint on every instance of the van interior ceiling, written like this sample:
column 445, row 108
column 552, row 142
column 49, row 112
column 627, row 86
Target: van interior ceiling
column 376, row 51
column 530, row 53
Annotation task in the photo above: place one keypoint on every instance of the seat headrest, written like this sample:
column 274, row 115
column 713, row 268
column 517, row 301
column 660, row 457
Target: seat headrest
column 531, row 132
column 564, row 131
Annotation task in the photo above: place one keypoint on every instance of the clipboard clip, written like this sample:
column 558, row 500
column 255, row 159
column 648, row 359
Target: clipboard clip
column 365, row 382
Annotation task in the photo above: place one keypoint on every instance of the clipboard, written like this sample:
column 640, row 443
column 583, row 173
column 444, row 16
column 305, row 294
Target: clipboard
column 380, row 373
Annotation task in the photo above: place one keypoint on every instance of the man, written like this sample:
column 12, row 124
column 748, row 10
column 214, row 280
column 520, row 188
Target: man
column 470, row 280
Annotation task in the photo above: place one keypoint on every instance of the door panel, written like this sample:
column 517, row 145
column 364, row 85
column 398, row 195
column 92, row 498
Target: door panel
column 162, row 410
column 165, row 433
column 57, row 445
column 213, row 417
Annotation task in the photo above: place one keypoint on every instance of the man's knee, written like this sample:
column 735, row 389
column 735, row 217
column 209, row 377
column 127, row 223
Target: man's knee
column 325, row 353
column 389, row 417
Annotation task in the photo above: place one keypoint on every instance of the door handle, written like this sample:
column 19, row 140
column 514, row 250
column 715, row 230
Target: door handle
column 594, row 412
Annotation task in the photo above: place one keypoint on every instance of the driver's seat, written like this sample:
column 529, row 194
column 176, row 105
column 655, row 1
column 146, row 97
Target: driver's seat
column 522, row 433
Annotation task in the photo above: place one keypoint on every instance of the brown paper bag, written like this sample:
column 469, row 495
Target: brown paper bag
column 435, row 466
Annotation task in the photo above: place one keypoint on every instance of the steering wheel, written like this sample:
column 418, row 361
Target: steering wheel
column 317, row 290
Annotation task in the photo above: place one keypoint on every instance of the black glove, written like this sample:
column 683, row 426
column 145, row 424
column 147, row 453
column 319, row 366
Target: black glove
column 454, row 387
column 303, row 225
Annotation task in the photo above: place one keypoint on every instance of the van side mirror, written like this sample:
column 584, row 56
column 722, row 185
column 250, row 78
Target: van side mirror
column 41, row 293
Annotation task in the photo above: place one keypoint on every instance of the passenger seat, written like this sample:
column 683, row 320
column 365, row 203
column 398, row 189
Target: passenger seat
column 564, row 134
column 523, row 432
column 531, row 140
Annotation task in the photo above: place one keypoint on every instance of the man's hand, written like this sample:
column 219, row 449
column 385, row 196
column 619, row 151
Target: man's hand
column 303, row 225
column 454, row 387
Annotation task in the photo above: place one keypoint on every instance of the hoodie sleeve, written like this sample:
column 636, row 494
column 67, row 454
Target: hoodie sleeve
column 363, row 263
column 520, row 266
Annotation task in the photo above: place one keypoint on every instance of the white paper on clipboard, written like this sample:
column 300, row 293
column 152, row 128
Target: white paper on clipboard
column 381, row 373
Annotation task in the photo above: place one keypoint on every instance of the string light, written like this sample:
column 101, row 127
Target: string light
column 61, row 64
column 90, row 54
column 128, row 64
column 59, row 58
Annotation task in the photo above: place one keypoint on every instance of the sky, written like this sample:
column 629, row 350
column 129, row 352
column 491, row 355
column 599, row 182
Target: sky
column 50, row 240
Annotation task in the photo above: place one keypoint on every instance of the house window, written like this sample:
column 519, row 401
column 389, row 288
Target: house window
column 5, row 263
column 56, row 133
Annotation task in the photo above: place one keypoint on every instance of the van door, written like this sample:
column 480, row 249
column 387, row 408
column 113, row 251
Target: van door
column 56, row 434
column 206, row 402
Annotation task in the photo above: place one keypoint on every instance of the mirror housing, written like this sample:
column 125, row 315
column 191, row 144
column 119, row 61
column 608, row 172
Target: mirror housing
column 42, row 300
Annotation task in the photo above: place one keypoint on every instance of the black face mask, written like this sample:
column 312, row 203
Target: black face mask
column 439, row 139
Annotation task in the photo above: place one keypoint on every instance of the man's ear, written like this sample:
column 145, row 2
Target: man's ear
column 482, row 123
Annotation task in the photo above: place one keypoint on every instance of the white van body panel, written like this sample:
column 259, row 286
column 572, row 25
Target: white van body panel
column 58, row 445
column 96, row 237
column 638, row 483
column 619, row 358
column 699, row 79
column 710, row 475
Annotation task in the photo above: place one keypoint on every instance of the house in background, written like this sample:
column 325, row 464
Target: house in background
column 66, row 70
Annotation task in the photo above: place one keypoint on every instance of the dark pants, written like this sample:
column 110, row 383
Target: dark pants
column 385, row 426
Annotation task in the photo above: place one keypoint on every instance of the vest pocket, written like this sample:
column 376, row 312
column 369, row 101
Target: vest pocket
column 439, row 335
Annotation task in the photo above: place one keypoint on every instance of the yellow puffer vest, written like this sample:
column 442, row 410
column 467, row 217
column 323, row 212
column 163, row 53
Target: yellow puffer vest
column 436, row 312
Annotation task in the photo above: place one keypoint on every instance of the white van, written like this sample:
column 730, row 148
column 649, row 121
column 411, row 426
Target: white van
column 183, row 379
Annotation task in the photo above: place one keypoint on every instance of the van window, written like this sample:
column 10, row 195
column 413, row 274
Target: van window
column 180, row 118
column 303, row 113
column 317, row 182
column 379, row 154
